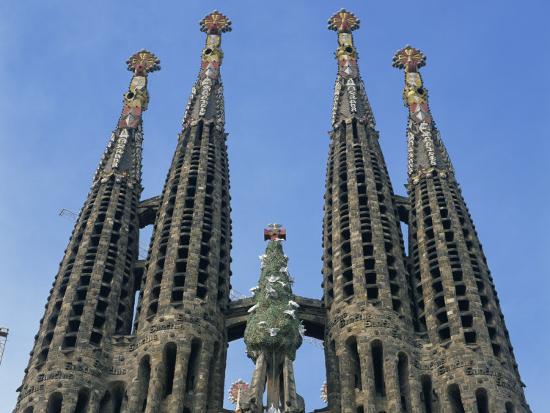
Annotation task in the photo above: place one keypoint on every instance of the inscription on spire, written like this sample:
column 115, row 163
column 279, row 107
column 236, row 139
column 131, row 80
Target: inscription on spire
column 206, row 101
column 350, row 98
column 123, row 153
column 425, row 149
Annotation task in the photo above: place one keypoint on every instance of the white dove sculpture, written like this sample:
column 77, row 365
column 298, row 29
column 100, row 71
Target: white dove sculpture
column 273, row 331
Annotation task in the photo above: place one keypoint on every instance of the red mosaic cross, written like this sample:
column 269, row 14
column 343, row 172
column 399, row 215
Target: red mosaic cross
column 274, row 232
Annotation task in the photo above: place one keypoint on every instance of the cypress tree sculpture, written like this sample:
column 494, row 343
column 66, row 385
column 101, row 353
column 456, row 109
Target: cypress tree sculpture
column 273, row 332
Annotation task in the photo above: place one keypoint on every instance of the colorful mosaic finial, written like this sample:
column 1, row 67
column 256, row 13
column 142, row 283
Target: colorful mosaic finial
column 274, row 232
column 350, row 98
column 236, row 392
column 324, row 392
column 123, row 154
column 409, row 59
column 206, row 101
column 215, row 23
column 425, row 148
column 343, row 22
column 143, row 62
column 415, row 95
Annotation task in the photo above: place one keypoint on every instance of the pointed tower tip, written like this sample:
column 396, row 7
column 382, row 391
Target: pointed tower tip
column 143, row 62
column 274, row 232
column 343, row 22
column 409, row 59
column 215, row 23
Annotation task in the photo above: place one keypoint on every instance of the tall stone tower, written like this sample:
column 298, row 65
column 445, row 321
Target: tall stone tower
column 422, row 333
column 91, row 298
column 456, row 299
column 186, row 278
column 417, row 334
column 366, row 286
column 89, row 355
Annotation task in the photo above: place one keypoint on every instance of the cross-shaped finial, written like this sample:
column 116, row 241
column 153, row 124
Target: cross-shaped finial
column 409, row 59
column 143, row 62
column 215, row 23
column 343, row 22
column 274, row 232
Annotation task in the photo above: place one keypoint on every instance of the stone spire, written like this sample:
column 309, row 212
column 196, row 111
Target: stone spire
column 122, row 157
column 350, row 98
column 272, row 333
column 425, row 148
column 364, row 268
column 206, row 101
column 186, row 277
column 456, row 300
column 93, row 293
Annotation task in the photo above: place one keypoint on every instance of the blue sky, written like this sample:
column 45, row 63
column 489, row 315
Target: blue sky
column 62, row 75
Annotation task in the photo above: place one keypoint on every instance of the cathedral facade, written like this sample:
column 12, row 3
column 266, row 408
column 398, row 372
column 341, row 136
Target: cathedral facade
column 419, row 333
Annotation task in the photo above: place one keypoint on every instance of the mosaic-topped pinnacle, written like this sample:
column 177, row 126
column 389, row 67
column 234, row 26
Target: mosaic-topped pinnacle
column 274, row 232
column 237, row 391
column 143, row 62
column 343, row 22
column 215, row 23
column 409, row 59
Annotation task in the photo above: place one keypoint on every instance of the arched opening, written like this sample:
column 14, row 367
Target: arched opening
column 455, row 399
column 29, row 409
column 214, row 376
column 54, row 403
column 105, row 405
column 118, row 392
column 332, row 368
column 377, row 353
column 144, row 375
column 426, row 396
column 238, row 366
column 403, row 377
column 482, row 401
column 192, row 365
column 310, row 359
column 354, row 362
column 170, row 352
column 509, row 407
column 82, row 400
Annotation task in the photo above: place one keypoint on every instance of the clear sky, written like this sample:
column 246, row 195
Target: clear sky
column 62, row 75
